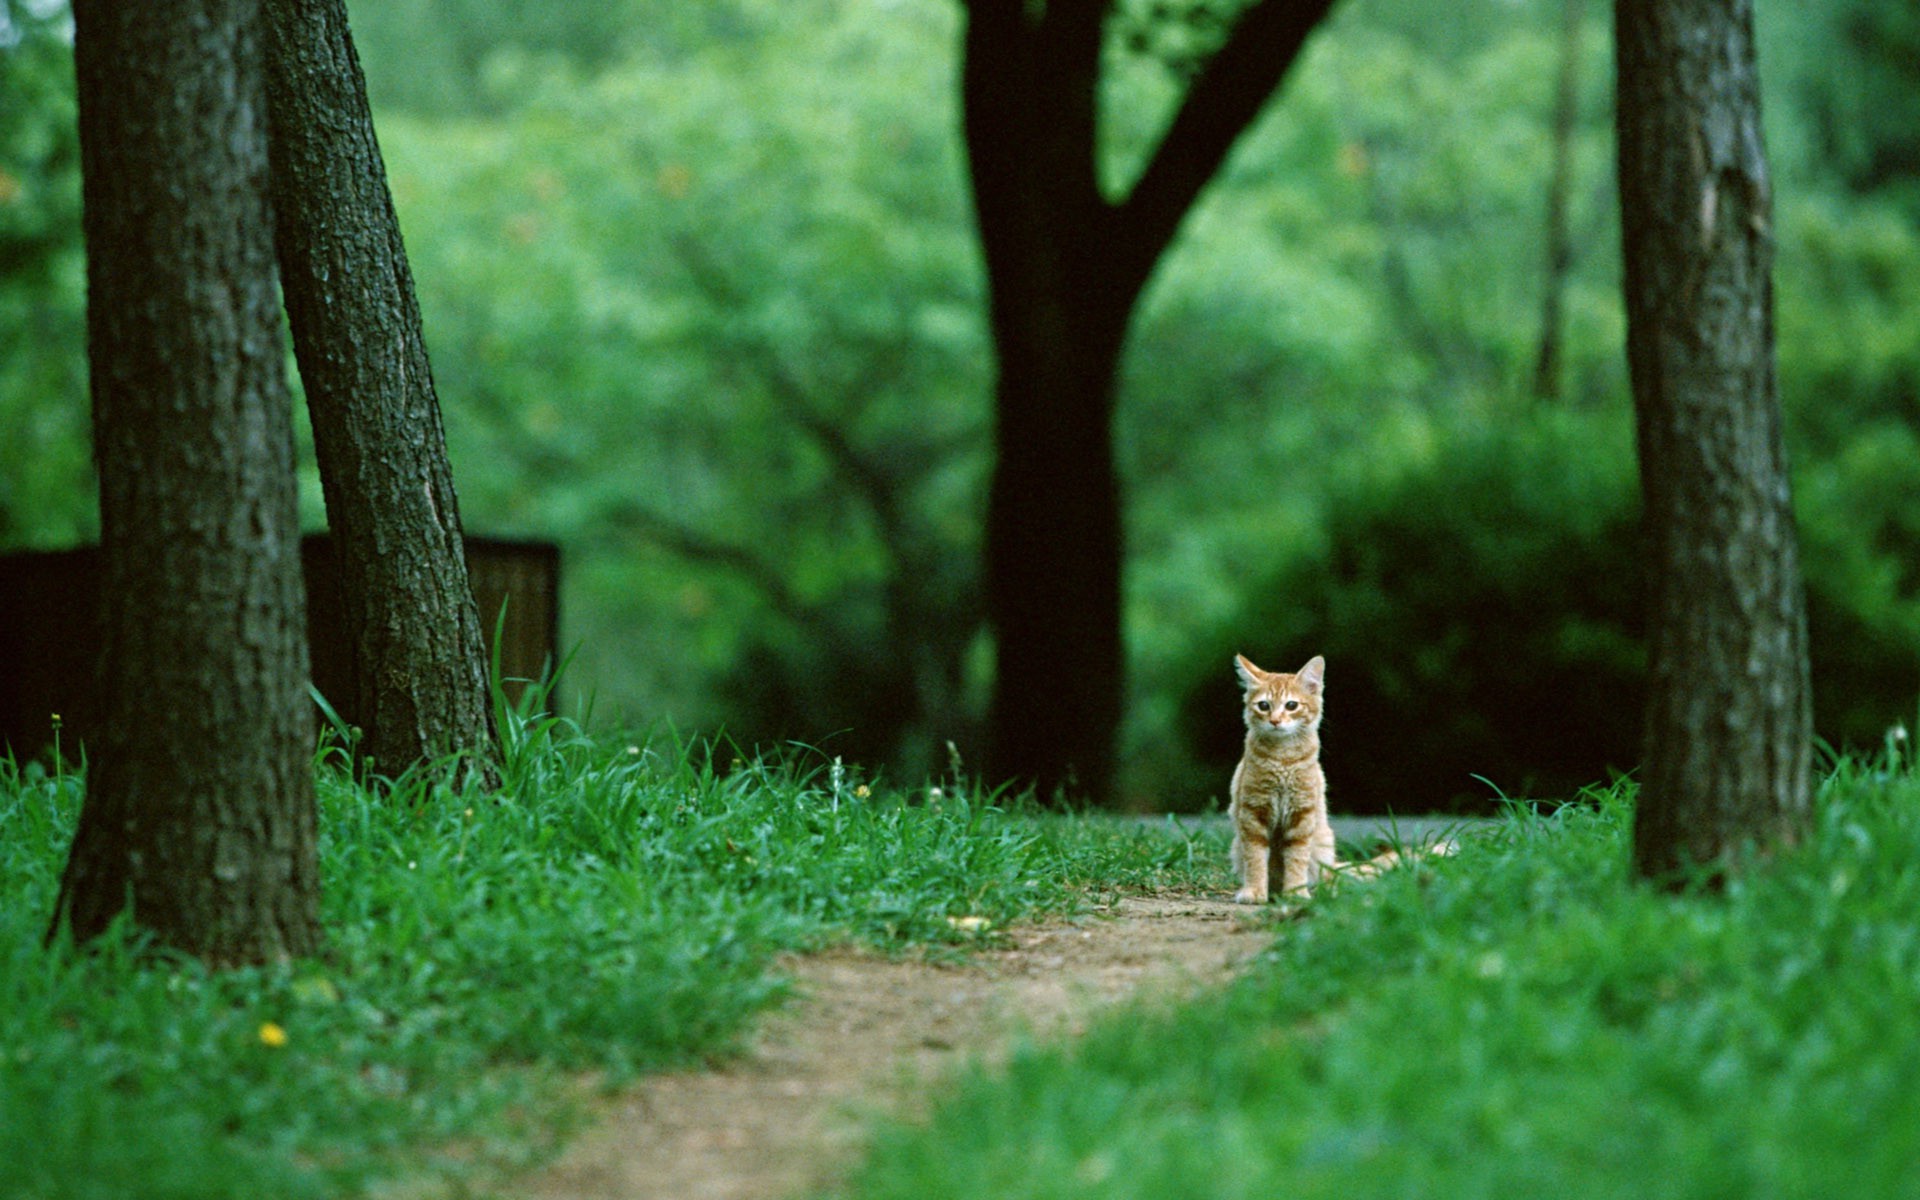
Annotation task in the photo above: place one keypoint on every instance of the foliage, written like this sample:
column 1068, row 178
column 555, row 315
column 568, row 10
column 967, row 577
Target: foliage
column 436, row 57
column 1480, row 610
column 45, row 469
column 613, row 908
column 1519, row 1020
column 1332, row 320
column 1859, row 120
column 769, row 401
column 1345, row 394
column 1480, row 614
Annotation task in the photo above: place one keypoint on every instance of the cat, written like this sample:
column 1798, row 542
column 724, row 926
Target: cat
column 1279, row 793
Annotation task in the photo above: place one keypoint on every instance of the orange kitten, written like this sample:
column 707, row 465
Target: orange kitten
column 1279, row 794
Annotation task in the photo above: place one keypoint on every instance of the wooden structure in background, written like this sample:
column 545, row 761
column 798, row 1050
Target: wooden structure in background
column 49, row 620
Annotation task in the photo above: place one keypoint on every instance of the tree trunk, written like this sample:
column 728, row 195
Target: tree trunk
column 199, row 813
column 1054, row 550
column 1058, row 310
column 420, row 668
column 1728, row 724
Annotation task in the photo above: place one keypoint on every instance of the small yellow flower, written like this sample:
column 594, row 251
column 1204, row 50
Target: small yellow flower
column 272, row 1036
column 860, row 793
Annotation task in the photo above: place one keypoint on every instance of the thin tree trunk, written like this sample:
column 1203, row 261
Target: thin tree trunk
column 1546, row 368
column 420, row 668
column 199, row 813
column 1728, row 725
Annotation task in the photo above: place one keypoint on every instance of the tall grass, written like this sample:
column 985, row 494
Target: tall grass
column 1522, row 1020
column 611, row 908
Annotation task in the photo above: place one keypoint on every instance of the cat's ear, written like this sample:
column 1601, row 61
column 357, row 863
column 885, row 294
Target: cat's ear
column 1314, row 674
column 1249, row 674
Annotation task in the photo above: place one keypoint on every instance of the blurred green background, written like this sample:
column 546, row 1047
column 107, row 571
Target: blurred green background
column 705, row 307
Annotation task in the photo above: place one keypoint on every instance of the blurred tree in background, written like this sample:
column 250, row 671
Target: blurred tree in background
column 706, row 304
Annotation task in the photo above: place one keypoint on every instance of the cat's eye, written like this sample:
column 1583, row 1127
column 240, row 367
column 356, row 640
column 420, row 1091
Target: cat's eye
column 1292, row 704
column 1262, row 705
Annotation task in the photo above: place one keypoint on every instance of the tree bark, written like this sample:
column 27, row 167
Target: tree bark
column 1053, row 552
column 420, row 668
column 1065, row 269
column 1728, row 725
column 199, row 814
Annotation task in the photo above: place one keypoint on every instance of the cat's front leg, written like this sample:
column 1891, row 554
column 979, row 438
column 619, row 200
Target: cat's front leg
column 1294, row 867
column 1303, row 856
column 1250, row 857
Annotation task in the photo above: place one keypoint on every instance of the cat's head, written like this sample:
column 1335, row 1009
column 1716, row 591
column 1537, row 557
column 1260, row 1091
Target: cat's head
column 1279, row 704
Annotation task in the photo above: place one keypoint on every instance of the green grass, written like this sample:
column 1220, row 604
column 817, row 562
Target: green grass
column 1521, row 1020
column 612, row 909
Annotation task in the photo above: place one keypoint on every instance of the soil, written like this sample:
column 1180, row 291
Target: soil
column 867, row 1037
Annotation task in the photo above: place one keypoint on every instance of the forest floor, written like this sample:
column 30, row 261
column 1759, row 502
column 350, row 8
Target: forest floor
column 865, row 1037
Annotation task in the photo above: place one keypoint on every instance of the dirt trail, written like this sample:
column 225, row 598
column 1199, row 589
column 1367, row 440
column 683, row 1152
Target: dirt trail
column 865, row 1036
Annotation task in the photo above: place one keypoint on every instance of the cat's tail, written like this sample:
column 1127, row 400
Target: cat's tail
column 1392, row 857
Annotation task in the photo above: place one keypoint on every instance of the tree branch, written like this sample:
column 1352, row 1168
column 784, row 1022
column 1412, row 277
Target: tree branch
column 875, row 484
column 670, row 535
column 1223, row 100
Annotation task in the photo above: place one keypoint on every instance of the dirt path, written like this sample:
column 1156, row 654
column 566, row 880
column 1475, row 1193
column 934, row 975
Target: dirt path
column 865, row 1035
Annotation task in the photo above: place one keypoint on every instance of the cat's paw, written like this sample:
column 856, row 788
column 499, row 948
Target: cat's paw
column 1247, row 895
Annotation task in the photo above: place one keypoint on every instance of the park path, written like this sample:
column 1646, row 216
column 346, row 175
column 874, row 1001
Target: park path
column 865, row 1036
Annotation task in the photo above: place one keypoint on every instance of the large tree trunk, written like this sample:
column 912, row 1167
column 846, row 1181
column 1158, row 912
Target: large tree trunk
column 200, row 808
column 1728, row 724
column 420, row 670
column 1059, row 305
column 1054, row 549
